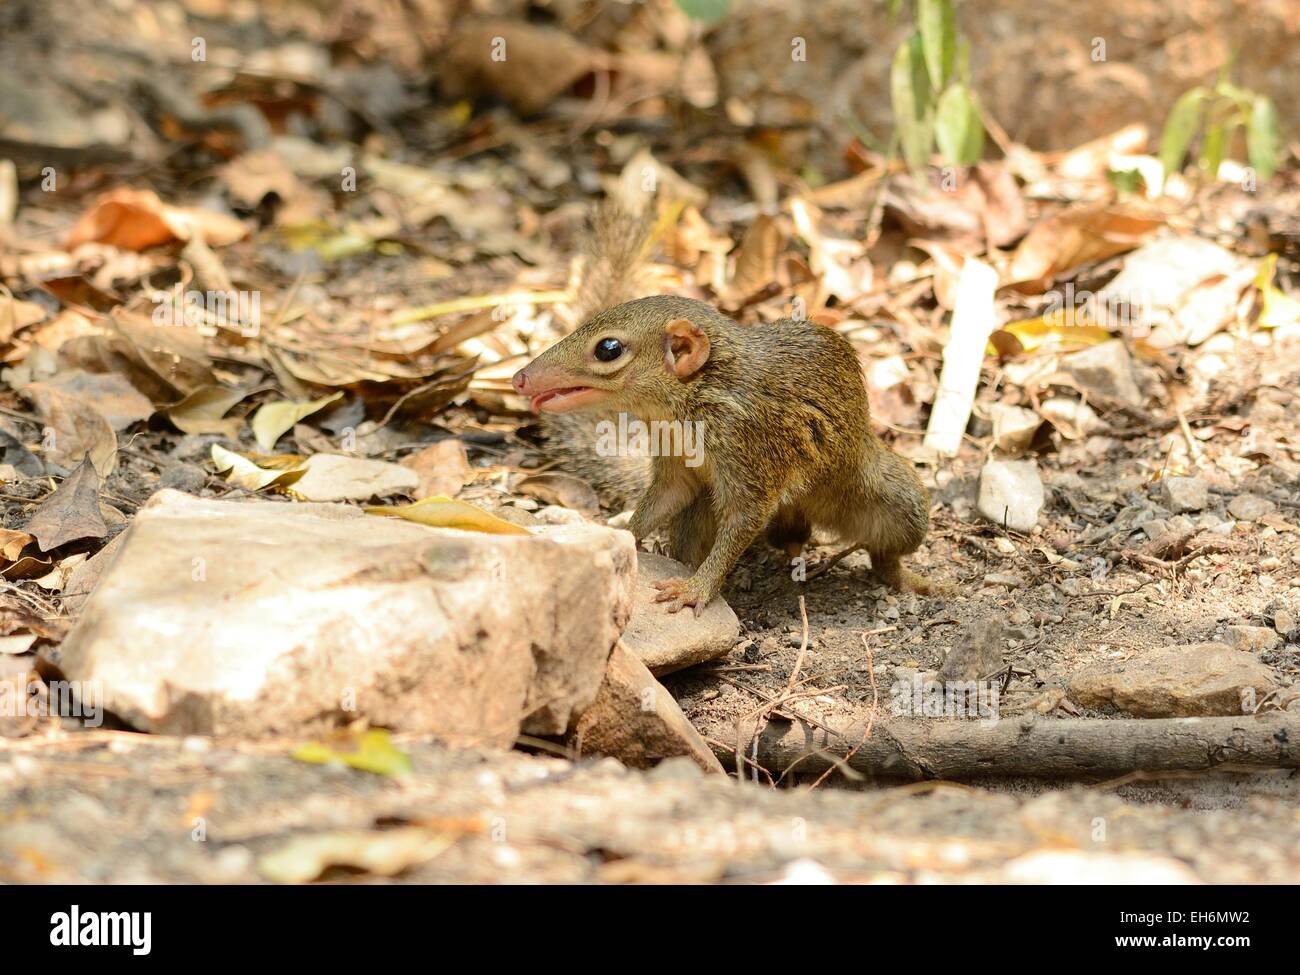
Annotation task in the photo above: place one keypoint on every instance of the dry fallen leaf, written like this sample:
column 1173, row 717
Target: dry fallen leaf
column 757, row 257
column 71, row 512
column 383, row 852
column 273, row 420
column 1074, row 237
column 162, row 363
column 57, row 579
column 108, row 393
column 16, row 314
column 528, row 65
column 443, row 468
column 12, row 543
column 244, row 473
column 562, row 489
column 138, row 219
column 74, row 428
column 1092, row 160
column 202, row 411
column 440, row 512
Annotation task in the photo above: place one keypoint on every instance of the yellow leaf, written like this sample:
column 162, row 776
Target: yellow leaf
column 441, row 512
column 375, row 753
column 242, row 472
column 1277, row 307
column 1071, row 327
column 272, row 420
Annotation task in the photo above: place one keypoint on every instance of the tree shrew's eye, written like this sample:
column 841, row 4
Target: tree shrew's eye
column 607, row 350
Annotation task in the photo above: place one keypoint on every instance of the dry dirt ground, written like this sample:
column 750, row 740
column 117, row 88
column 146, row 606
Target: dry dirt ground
column 100, row 807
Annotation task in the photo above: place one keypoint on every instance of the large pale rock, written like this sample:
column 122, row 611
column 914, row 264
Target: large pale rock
column 667, row 641
column 1173, row 682
column 637, row 721
column 263, row 618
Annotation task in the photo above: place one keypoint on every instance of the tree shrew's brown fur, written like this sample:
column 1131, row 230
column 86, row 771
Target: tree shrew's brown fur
column 787, row 442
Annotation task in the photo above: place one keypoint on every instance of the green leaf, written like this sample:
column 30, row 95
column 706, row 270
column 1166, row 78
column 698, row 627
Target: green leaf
column 1125, row 180
column 957, row 127
column 909, row 90
column 706, row 11
column 1212, row 147
column 938, row 38
column 1263, row 137
column 962, row 70
column 1241, row 96
column 1179, row 128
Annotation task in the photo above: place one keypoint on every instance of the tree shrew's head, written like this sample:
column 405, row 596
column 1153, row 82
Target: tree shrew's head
column 617, row 357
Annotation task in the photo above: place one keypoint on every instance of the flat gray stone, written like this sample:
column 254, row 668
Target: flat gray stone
column 1194, row 680
column 1105, row 369
column 666, row 641
column 1182, row 494
column 1250, row 507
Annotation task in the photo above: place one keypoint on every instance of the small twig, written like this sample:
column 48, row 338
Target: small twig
column 830, row 563
column 757, row 767
column 871, row 715
column 1193, row 448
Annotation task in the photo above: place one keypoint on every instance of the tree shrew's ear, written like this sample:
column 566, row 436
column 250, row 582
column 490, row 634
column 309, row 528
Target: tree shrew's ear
column 686, row 347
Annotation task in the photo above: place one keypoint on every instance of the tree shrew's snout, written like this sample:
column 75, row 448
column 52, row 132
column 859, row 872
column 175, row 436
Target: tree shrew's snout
column 552, row 391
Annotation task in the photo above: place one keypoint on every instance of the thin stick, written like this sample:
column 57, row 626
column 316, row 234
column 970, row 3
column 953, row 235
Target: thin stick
column 871, row 716
column 833, row 561
column 1193, row 448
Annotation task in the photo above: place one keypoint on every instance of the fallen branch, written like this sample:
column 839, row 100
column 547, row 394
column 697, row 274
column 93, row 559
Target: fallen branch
column 1033, row 746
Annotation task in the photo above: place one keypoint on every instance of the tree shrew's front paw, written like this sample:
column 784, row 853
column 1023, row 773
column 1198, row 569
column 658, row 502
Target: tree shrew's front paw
column 679, row 593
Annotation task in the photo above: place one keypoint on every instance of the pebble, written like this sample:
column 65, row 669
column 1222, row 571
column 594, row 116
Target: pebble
column 1180, row 494
column 1011, row 494
column 1252, row 638
column 1250, row 507
column 1003, row 579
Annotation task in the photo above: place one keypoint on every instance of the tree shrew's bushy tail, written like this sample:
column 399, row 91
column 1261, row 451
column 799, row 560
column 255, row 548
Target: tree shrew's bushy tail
column 614, row 253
